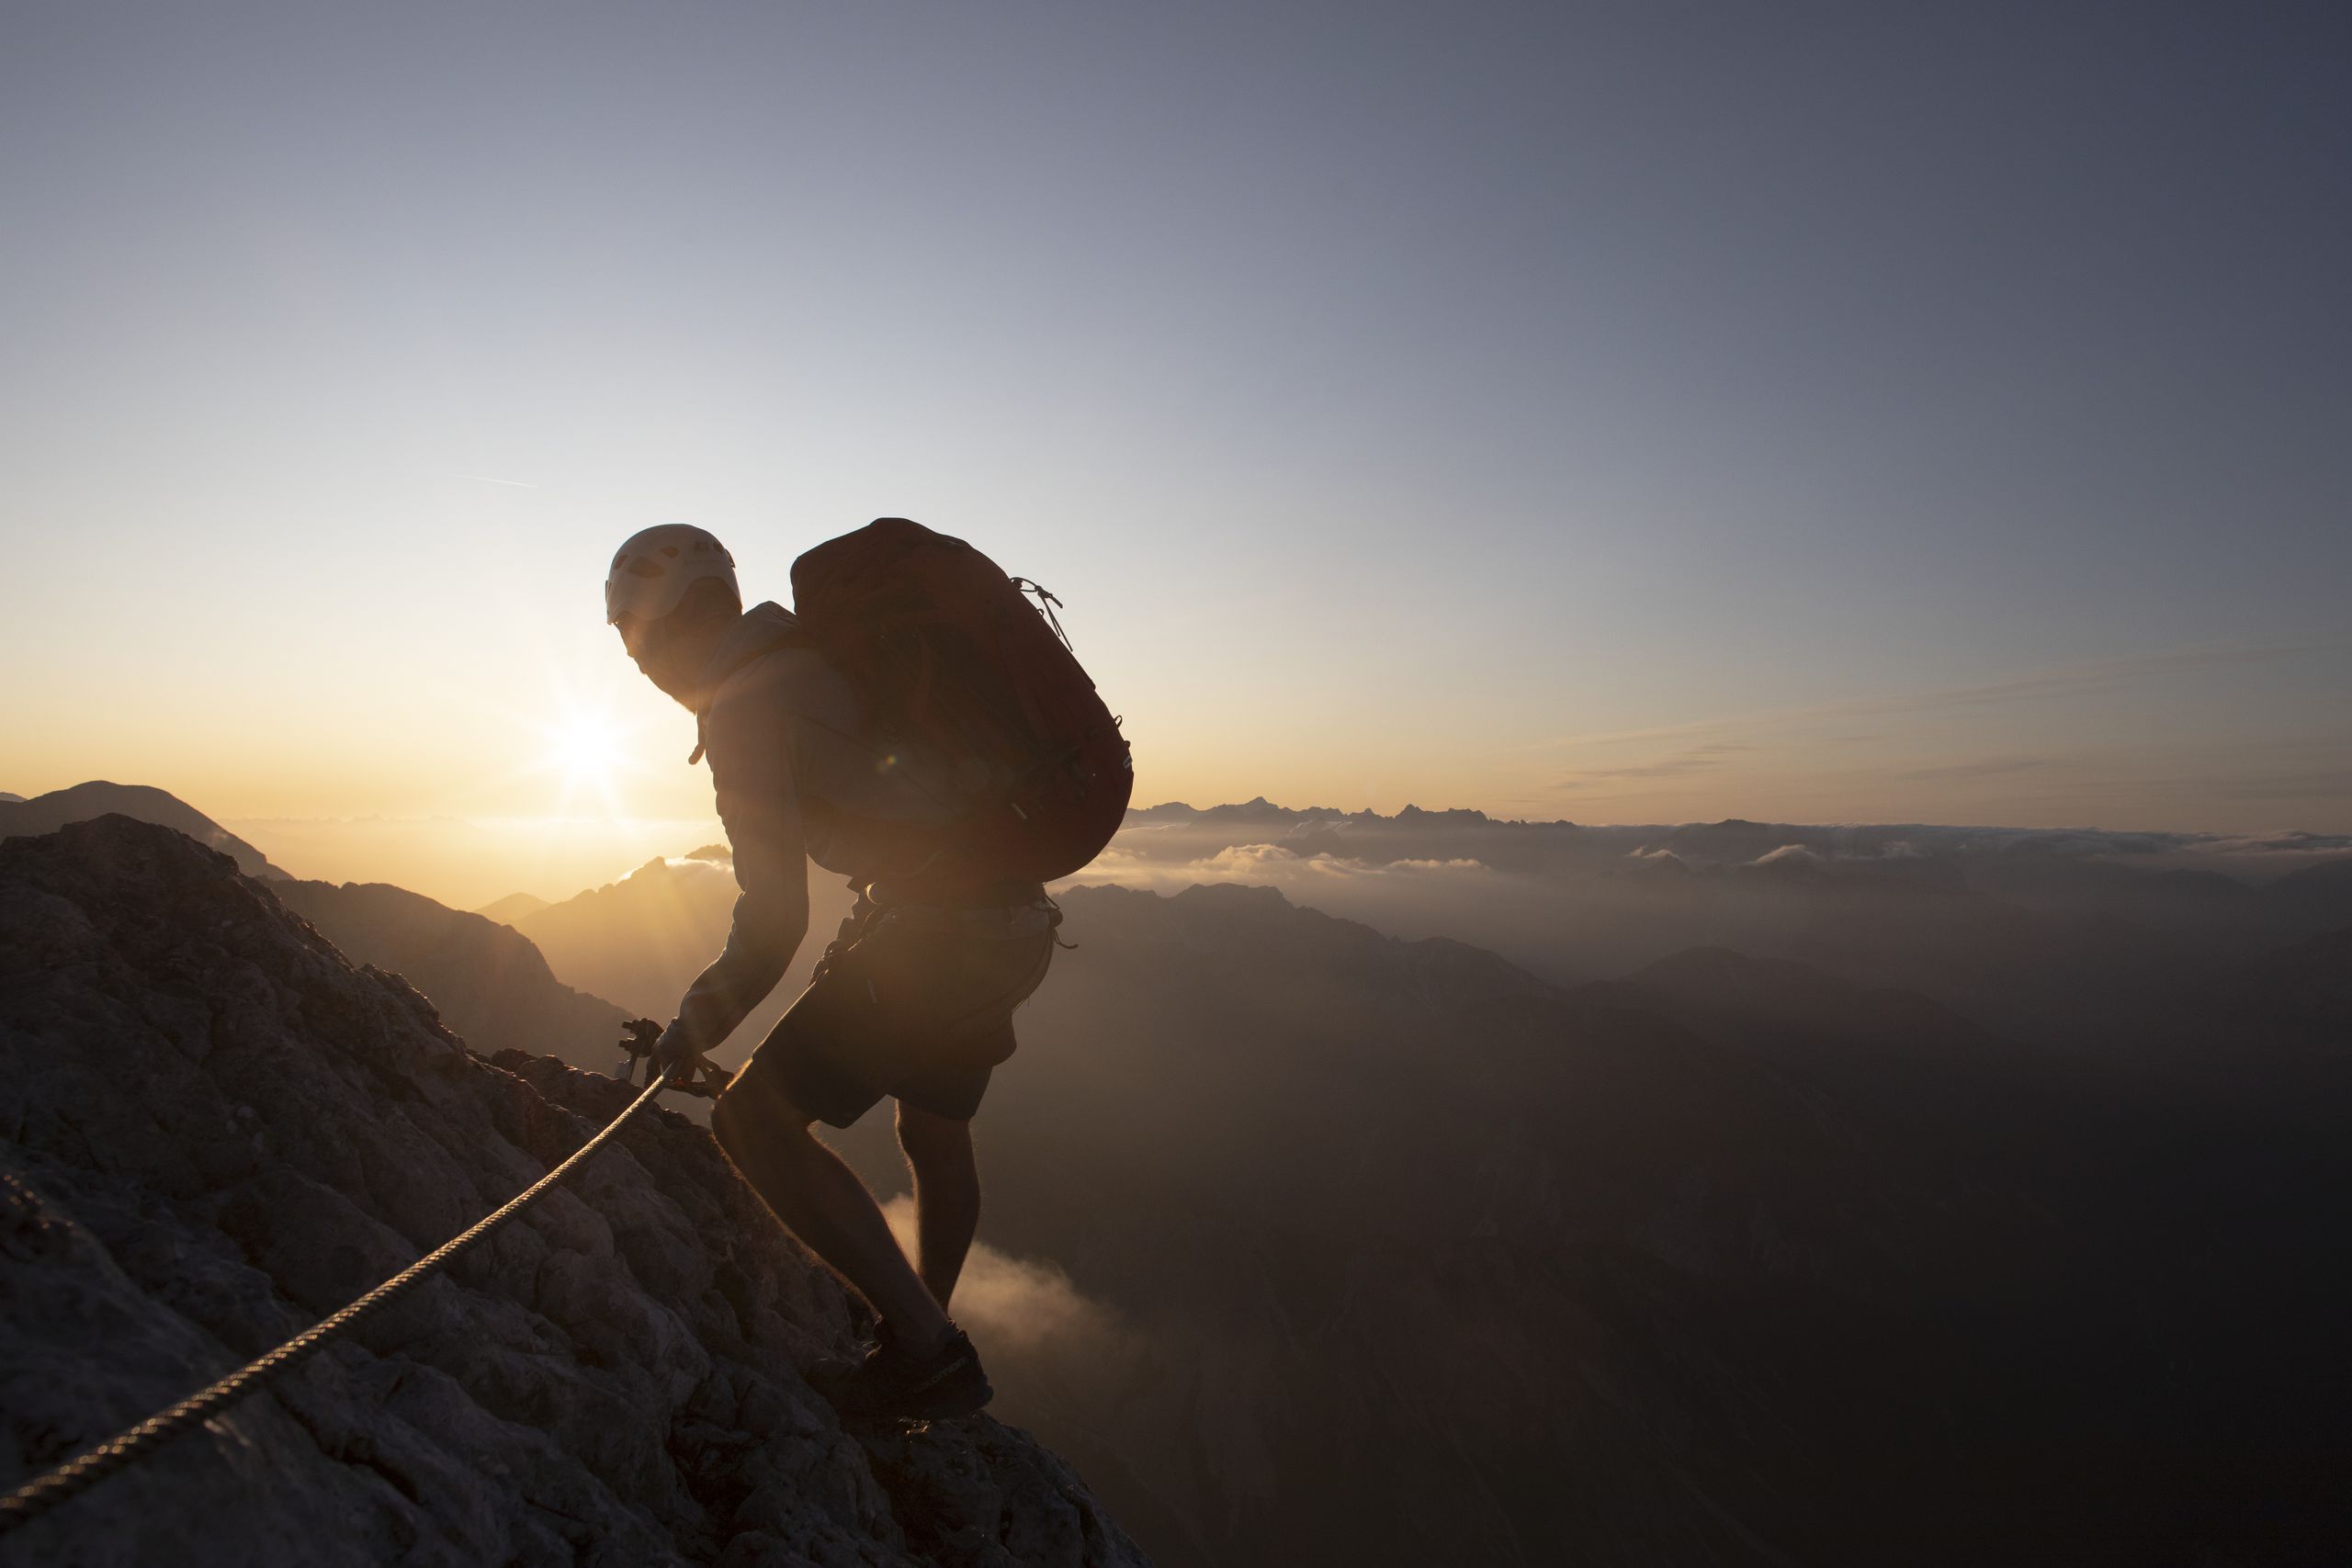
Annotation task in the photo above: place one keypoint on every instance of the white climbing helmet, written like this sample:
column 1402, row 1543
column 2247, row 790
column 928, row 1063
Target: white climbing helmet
column 655, row 568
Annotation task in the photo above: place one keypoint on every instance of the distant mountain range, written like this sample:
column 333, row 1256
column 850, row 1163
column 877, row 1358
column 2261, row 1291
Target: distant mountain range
column 1341, row 1248
column 490, row 985
column 2098, row 941
column 487, row 981
column 1731, row 841
column 638, row 939
column 47, row 813
column 1414, row 1258
column 511, row 907
column 643, row 939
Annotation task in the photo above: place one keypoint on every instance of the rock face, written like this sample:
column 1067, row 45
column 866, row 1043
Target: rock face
column 214, row 1130
column 485, row 979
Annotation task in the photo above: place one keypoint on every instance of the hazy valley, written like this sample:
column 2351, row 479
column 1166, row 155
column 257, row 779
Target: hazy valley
column 1785, row 1194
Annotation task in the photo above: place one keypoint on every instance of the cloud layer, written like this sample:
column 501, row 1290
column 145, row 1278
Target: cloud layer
column 1019, row 1307
column 1267, row 865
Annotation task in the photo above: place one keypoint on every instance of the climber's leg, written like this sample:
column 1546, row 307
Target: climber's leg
column 823, row 1203
column 948, row 1194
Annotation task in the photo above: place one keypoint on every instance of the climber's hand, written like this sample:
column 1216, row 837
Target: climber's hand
column 676, row 1054
column 696, row 1074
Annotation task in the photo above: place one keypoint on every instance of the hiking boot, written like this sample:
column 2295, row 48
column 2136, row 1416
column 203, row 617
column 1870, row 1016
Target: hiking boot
column 891, row 1384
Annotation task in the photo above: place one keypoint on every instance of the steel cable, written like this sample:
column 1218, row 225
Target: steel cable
column 77, row 1475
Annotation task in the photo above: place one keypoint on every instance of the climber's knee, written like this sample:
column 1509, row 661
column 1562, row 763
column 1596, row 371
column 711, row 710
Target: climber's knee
column 926, row 1137
column 753, row 1109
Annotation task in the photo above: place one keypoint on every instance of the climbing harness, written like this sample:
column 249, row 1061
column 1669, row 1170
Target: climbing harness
column 46, row 1491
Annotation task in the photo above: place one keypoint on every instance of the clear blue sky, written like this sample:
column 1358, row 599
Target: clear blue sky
column 1624, row 413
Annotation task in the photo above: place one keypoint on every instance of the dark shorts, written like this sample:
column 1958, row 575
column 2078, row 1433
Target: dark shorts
column 914, row 1004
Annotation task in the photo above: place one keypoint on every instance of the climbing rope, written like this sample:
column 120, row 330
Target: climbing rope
column 46, row 1491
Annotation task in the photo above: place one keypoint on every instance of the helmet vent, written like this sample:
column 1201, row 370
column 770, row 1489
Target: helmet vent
column 656, row 566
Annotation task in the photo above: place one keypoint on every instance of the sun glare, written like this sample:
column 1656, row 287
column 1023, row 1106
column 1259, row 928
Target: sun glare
column 586, row 750
column 586, row 753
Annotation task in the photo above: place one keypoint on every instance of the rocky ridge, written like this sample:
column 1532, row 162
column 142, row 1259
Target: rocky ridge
column 215, row 1130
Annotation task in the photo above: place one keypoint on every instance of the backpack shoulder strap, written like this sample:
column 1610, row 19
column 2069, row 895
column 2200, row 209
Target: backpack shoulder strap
column 789, row 635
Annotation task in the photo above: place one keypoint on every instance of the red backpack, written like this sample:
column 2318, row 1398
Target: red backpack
column 947, row 652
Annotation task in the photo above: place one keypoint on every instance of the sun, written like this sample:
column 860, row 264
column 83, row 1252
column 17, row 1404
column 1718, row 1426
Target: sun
column 582, row 750
column 586, row 750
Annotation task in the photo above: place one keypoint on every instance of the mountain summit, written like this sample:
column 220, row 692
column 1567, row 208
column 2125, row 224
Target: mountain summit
column 218, row 1131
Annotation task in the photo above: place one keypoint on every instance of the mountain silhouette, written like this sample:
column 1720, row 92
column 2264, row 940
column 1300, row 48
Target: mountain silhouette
column 485, row 979
column 1350, row 1248
column 2315, row 897
column 2081, row 941
column 218, row 1130
column 641, row 940
column 1427, row 1259
column 47, row 813
column 511, row 907
column 2309, row 983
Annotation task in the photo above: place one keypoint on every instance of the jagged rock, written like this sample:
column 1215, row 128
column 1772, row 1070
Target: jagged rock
column 214, row 1129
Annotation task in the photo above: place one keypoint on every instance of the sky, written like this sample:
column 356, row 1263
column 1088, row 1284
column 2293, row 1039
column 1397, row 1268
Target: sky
column 1617, row 413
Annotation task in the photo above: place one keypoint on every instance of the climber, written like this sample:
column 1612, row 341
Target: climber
column 914, row 1000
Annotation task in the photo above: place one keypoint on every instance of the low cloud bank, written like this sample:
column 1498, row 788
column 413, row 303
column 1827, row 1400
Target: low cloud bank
column 1269, row 844
column 1266, row 865
column 1019, row 1308
column 1250, row 859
